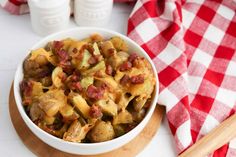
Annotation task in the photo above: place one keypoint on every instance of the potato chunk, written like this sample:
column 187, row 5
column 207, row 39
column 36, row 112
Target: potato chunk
column 80, row 104
column 124, row 117
column 76, row 132
column 119, row 44
column 102, row 131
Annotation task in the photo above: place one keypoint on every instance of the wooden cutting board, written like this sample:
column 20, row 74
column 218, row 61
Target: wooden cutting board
column 41, row 149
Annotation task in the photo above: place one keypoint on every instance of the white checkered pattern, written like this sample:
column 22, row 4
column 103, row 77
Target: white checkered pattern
column 147, row 30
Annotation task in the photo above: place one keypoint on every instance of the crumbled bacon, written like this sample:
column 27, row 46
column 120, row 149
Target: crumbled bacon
column 104, row 86
column 125, row 66
column 90, row 49
column 62, row 55
column 109, row 69
column 111, row 51
column 76, row 86
column 75, row 50
column 43, row 72
column 137, row 79
column 58, row 45
column 76, row 76
column 94, row 92
column 79, row 56
column 26, row 87
column 124, row 80
column 95, row 111
column 67, row 92
column 77, row 73
column 93, row 60
column 66, row 66
column 132, row 57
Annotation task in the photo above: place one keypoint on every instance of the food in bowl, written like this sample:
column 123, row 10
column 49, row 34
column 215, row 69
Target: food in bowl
column 87, row 91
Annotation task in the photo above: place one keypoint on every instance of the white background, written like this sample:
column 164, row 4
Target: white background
column 16, row 38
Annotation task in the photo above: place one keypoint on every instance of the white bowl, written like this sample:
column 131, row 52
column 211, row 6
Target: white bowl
column 84, row 148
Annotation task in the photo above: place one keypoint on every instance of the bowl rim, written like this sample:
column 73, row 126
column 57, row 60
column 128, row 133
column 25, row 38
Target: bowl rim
column 28, row 121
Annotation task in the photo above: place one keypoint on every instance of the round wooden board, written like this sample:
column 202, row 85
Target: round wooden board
column 41, row 149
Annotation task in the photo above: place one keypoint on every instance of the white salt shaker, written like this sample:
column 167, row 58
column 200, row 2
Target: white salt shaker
column 92, row 12
column 49, row 16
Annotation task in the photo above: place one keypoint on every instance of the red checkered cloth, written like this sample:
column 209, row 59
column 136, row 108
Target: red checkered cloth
column 192, row 44
column 18, row 7
column 15, row 6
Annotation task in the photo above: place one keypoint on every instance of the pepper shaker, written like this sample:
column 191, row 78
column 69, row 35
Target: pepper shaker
column 49, row 16
column 92, row 12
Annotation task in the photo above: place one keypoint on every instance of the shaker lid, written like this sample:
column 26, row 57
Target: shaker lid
column 47, row 4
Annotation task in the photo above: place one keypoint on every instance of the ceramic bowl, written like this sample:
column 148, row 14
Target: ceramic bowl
column 84, row 148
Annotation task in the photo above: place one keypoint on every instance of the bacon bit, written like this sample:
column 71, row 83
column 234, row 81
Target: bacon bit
column 44, row 73
column 83, row 47
column 104, row 86
column 76, row 76
column 138, row 79
column 67, row 92
column 109, row 69
column 111, row 51
column 75, row 50
column 125, row 66
column 90, row 49
column 93, row 60
column 58, row 45
column 76, row 86
column 95, row 111
column 79, row 56
column 62, row 55
column 132, row 57
column 77, row 73
column 26, row 87
column 66, row 66
column 94, row 92
column 124, row 80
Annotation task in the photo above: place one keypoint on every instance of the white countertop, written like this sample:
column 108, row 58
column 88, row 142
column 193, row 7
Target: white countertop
column 16, row 37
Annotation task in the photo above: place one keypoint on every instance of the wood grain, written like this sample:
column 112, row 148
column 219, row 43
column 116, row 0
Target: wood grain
column 218, row 137
column 41, row 149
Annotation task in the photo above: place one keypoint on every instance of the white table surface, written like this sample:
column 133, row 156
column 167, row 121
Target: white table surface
column 16, row 37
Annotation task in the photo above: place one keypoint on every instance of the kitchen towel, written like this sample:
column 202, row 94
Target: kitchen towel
column 15, row 6
column 18, row 7
column 192, row 44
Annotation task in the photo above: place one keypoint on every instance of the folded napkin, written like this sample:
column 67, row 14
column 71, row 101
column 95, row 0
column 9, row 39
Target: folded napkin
column 192, row 44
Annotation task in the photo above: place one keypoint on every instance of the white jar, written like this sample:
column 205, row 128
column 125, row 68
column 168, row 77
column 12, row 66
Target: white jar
column 92, row 12
column 49, row 16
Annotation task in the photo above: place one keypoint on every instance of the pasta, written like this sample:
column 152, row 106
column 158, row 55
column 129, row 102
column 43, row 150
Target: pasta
column 89, row 90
